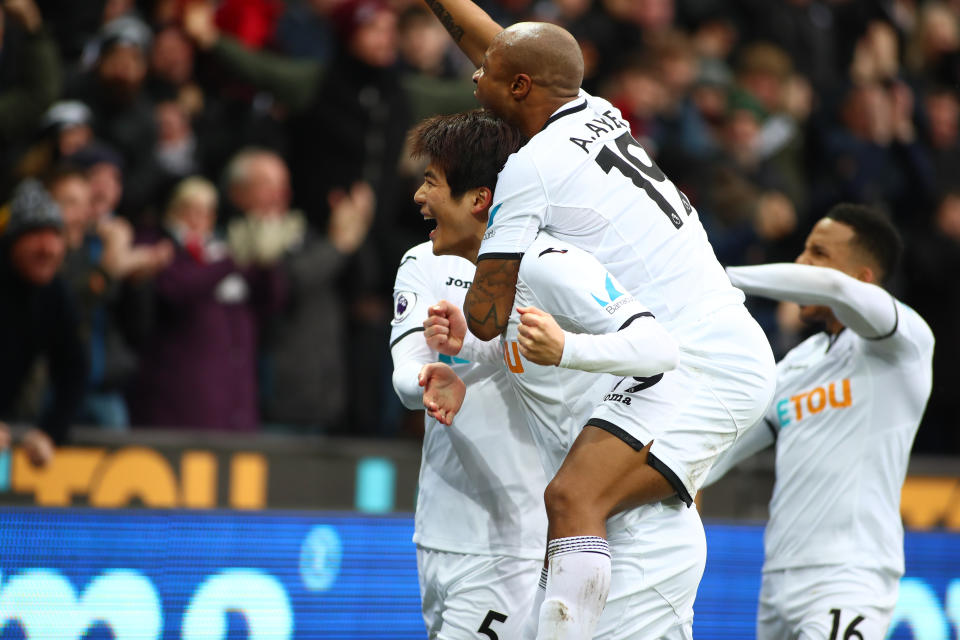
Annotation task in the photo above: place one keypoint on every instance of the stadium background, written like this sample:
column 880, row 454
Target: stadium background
column 302, row 530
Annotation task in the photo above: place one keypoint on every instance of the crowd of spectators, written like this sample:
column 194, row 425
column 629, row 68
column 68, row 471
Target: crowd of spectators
column 207, row 200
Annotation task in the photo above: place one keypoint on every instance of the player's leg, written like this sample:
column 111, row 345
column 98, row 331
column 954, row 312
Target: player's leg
column 605, row 470
column 659, row 553
column 491, row 597
column 772, row 622
column 429, row 566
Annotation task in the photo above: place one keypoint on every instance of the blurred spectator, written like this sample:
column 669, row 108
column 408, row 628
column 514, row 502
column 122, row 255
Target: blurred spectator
column 177, row 152
column 351, row 116
column 304, row 349
column 874, row 156
column 68, row 121
column 29, row 80
column 747, row 200
column 304, row 31
column 37, row 317
column 943, row 135
column 636, row 90
column 876, row 56
column 104, row 170
column 424, row 44
column 198, row 368
column 765, row 72
column 100, row 259
column 172, row 71
column 64, row 130
column 933, row 50
column 123, row 112
column 932, row 267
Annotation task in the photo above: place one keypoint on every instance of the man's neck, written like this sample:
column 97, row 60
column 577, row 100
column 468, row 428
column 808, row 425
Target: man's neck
column 540, row 114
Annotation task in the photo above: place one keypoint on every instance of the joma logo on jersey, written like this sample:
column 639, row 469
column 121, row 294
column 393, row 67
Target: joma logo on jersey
column 835, row 395
column 457, row 282
column 514, row 364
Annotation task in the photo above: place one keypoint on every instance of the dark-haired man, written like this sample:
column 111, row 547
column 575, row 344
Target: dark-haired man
column 585, row 180
column 38, row 317
column 480, row 524
column 647, row 588
column 847, row 406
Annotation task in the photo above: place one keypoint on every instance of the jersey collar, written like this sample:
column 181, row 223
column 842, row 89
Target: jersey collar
column 565, row 110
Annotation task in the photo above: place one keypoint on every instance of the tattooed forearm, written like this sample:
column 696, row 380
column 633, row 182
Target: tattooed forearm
column 490, row 298
column 455, row 30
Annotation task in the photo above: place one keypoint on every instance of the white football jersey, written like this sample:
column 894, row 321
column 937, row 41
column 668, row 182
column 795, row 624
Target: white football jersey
column 583, row 297
column 861, row 401
column 586, row 181
column 481, row 481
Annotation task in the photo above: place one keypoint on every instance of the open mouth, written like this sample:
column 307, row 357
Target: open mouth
column 431, row 224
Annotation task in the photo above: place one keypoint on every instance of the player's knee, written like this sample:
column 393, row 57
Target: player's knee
column 567, row 499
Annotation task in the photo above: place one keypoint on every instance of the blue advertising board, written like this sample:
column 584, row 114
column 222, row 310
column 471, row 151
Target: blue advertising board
column 89, row 574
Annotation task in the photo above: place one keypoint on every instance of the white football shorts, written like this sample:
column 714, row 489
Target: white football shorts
column 722, row 386
column 474, row 596
column 826, row 603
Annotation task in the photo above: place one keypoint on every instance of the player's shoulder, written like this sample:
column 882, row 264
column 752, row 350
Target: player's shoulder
column 912, row 327
column 417, row 255
column 550, row 259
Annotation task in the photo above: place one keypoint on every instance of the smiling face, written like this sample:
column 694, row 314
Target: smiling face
column 38, row 254
column 461, row 222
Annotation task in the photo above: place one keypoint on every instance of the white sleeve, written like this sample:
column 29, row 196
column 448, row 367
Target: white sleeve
column 409, row 356
column 643, row 348
column 518, row 210
column 865, row 308
column 606, row 329
column 412, row 294
column 754, row 440
column 476, row 350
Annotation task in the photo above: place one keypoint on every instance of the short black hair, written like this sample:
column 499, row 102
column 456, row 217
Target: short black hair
column 873, row 233
column 470, row 147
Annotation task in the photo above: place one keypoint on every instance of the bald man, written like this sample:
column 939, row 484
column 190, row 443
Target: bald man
column 585, row 180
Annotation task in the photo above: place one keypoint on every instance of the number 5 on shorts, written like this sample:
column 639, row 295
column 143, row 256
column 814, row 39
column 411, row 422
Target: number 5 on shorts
column 850, row 632
column 492, row 616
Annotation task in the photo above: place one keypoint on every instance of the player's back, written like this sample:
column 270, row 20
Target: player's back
column 846, row 411
column 586, row 181
column 481, row 484
column 568, row 283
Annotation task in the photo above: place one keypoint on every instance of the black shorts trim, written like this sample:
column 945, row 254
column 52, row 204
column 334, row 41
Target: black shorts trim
column 652, row 460
column 500, row 256
column 645, row 314
column 404, row 335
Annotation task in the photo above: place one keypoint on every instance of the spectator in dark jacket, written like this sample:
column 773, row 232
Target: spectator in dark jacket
column 303, row 356
column 37, row 318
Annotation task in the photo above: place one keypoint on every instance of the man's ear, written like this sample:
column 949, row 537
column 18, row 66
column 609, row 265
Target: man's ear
column 867, row 274
column 520, row 86
column 482, row 198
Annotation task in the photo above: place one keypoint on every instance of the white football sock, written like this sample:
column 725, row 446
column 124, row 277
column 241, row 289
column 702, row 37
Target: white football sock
column 530, row 628
column 578, row 582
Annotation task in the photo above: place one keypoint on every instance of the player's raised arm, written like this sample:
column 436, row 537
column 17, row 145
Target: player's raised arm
column 865, row 308
column 469, row 26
